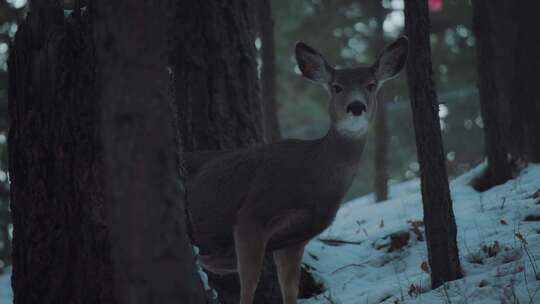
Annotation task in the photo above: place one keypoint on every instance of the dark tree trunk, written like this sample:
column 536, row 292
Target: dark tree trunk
column 438, row 214
column 61, row 250
column 212, row 55
column 152, row 256
column 525, row 96
column 381, row 125
column 62, row 175
column 213, row 59
column 491, row 104
column 381, row 151
column 265, row 24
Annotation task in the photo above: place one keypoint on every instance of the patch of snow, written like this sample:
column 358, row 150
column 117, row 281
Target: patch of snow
column 6, row 295
column 499, row 251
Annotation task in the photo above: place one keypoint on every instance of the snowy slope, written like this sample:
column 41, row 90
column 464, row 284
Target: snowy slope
column 360, row 273
column 492, row 233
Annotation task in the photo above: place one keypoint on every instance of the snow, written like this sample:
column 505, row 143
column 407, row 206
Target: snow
column 499, row 251
column 5, row 287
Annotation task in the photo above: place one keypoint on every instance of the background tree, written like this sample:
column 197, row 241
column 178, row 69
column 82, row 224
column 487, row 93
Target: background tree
column 381, row 123
column 265, row 25
column 494, row 107
column 152, row 257
column 439, row 218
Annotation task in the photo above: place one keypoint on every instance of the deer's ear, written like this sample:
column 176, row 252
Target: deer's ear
column 392, row 60
column 312, row 64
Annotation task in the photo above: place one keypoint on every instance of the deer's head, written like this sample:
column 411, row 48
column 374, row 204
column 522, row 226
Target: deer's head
column 353, row 91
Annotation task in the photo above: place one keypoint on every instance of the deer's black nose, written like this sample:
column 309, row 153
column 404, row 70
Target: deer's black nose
column 356, row 108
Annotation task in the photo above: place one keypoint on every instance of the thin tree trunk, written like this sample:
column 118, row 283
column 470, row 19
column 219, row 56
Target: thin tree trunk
column 265, row 23
column 381, row 125
column 499, row 169
column 438, row 214
column 61, row 249
column 152, row 257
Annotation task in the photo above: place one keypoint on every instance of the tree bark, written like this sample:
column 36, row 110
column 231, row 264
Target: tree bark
column 152, row 257
column 438, row 214
column 213, row 59
column 525, row 95
column 491, row 104
column 381, row 125
column 265, row 24
column 61, row 249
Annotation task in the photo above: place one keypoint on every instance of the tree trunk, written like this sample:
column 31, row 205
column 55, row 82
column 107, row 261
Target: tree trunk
column 61, row 250
column 213, row 59
column 152, row 257
column 525, row 96
column 381, row 151
column 491, row 104
column 438, row 214
column 265, row 23
column 381, row 125
column 217, row 96
column 62, row 176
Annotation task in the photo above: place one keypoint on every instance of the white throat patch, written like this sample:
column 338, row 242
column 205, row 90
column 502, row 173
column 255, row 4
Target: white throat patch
column 354, row 125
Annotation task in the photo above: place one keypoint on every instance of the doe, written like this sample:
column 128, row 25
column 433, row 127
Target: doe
column 276, row 197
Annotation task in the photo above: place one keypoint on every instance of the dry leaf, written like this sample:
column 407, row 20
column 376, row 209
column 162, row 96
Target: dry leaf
column 425, row 267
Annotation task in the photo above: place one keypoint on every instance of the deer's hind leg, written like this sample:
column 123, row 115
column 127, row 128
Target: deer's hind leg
column 288, row 268
column 250, row 247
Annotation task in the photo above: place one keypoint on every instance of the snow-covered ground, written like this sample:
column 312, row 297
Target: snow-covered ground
column 499, row 251
column 5, row 287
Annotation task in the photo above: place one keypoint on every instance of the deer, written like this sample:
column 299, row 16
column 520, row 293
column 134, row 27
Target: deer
column 276, row 197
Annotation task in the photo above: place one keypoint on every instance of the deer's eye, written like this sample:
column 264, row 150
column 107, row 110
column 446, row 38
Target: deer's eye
column 371, row 87
column 336, row 88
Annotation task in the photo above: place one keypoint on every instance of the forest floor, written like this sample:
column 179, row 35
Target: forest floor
column 376, row 253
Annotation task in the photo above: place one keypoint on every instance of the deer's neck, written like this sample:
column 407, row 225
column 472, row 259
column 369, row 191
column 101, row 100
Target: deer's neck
column 342, row 149
column 338, row 157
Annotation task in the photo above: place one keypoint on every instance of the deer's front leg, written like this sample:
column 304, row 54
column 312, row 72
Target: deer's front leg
column 250, row 248
column 288, row 268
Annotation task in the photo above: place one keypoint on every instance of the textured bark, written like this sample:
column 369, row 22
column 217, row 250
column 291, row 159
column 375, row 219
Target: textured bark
column 381, row 126
column 213, row 58
column 438, row 214
column 152, row 257
column 265, row 24
column 61, row 252
column 491, row 103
